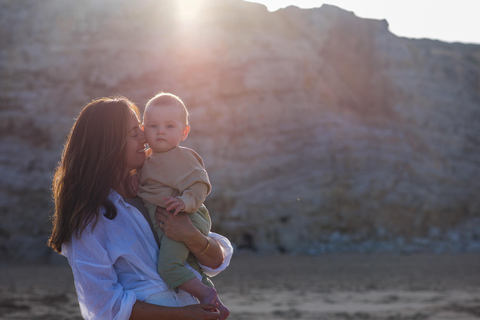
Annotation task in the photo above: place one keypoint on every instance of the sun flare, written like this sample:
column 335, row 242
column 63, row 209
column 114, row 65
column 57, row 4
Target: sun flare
column 188, row 11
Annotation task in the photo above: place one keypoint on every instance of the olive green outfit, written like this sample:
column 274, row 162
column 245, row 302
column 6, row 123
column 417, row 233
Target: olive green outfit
column 176, row 173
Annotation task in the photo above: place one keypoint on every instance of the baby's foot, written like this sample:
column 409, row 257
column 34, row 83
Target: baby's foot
column 213, row 298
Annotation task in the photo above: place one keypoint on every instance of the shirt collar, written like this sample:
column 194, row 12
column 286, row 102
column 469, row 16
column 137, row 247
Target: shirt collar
column 115, row 198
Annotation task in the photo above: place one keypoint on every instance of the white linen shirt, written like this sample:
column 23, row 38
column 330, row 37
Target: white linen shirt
column 116, row 263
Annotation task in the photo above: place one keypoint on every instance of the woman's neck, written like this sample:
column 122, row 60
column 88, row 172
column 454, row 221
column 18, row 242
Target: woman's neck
column 121, row 189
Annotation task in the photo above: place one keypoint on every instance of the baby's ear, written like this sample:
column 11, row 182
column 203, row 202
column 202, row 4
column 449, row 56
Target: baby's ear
column 186, row 131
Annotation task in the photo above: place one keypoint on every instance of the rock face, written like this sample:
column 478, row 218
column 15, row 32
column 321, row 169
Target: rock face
column 321, row 131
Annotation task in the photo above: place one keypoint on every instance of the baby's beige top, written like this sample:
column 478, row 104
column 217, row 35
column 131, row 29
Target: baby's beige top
column 176, row 173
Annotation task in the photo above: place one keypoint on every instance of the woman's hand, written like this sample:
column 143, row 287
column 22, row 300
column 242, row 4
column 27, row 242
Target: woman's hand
column 180, row 228
column 177, row 227
column 142, row 310
column 202, row 312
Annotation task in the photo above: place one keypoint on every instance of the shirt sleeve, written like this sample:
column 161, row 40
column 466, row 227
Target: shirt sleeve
column 227, row 250
column 193, row 184
column 99, row 293
column 194, row 195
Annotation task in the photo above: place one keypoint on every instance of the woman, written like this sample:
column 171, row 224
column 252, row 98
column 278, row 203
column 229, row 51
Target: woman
column 105, row 237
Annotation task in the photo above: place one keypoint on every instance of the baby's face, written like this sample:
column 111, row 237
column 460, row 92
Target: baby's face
column 164, row 127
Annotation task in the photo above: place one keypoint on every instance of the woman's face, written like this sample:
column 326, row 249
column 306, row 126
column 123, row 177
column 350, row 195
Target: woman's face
column 135, row 146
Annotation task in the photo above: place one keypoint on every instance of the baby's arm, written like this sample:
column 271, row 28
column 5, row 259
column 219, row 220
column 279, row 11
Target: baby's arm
column 194, row 195
column 194, row 186
column 174, row 203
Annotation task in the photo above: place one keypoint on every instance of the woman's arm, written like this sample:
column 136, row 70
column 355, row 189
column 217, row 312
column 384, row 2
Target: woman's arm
column 145, row 311
column 180, row 228
column 206, row 250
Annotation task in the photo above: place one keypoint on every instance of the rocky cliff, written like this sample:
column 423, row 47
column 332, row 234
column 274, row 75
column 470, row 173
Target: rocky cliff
column 321, row 131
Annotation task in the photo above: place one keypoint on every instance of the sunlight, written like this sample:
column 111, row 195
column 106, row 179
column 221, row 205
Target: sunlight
column 188, row 11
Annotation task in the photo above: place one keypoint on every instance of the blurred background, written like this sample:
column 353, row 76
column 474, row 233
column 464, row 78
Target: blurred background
column 321, row 131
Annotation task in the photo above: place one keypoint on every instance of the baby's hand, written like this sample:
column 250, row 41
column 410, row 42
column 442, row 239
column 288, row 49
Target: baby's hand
column 132, row 185
column 174, row 203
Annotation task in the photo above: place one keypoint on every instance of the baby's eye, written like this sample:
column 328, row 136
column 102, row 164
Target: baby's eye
column 153, row 126
column 170, row 126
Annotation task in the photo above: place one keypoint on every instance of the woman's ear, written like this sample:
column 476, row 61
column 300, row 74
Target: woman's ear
column 185, row 133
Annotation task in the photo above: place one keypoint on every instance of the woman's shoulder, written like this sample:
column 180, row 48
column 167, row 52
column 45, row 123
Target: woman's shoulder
column 105, row 233
column 105, row 218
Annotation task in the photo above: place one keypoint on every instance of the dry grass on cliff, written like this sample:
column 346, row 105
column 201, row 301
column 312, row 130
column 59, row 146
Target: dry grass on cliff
column 333, row 287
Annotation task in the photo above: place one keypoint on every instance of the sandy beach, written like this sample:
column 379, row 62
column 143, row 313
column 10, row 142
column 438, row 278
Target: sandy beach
column 331, row 286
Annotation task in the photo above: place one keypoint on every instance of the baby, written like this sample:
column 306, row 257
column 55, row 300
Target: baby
column 174, row 178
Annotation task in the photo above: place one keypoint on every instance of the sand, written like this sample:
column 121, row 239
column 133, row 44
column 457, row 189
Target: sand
column 332, row 286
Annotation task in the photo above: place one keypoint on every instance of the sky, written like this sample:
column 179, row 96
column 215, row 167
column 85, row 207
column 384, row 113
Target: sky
column 445, row 20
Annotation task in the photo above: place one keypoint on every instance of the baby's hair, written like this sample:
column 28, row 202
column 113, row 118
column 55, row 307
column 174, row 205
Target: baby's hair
column 167, row 99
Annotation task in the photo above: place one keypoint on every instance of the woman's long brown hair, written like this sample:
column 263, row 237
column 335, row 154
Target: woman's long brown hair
column 92, row 163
